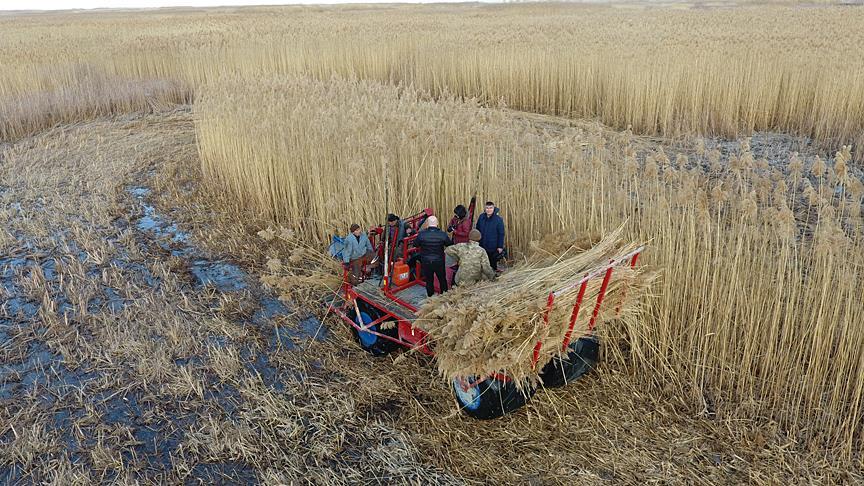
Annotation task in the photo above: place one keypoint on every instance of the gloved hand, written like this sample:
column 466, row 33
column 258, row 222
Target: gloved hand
column 450, row 228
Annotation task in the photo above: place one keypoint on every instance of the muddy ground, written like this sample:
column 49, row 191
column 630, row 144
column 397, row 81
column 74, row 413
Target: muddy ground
column 138, row 346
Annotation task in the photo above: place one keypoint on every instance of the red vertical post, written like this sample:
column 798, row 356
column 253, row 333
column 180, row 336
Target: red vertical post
column 600, row 298
column 550, row 301
column 574, row 314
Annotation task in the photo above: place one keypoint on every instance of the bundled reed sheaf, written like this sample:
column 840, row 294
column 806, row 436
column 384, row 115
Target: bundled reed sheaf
column 493, row 326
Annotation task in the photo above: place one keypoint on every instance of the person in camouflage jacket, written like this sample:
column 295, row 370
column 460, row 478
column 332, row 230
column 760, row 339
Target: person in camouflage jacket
column 473, row 260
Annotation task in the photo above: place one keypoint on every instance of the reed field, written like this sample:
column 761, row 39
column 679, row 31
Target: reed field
column 723, row 71
column 761, row 260
column 726, row 137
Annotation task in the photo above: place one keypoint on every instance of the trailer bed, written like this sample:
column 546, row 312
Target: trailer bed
column 371, row 290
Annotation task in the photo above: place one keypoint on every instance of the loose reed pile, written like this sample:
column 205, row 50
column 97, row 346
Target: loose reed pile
column 493, row 326
column 306, row 275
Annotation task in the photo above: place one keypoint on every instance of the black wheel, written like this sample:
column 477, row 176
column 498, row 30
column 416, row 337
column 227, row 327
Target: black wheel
column 376, row 345
column 581, row 357
column 491, row 398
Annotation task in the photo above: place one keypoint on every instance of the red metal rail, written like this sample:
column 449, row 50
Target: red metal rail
column 582, row 283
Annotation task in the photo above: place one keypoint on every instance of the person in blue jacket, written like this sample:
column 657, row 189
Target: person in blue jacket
column 356, row 253
column 491, row 228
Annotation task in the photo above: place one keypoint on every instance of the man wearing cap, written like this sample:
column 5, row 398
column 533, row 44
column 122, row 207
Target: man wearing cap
column 432, row 242
column 473, row 260
column 398, row 231
column 357, row 252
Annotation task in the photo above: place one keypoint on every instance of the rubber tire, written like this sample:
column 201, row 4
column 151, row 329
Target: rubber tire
column 491, row 398
column 581, row 356
column 376, row 346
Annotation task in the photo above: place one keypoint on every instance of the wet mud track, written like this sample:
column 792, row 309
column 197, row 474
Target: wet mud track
column 76, row 405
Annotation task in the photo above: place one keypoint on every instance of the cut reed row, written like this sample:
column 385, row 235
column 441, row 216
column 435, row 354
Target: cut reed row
column 85, row 94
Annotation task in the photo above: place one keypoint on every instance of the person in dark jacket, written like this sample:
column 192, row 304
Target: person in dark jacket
column 491, row 227
column 432, row 242
column 397, row 230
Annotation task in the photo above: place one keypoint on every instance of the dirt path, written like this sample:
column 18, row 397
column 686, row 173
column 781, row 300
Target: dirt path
column 136, row 345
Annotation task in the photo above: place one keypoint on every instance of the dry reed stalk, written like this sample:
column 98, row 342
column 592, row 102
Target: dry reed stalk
column 306, row 275
column 89, row 93
column 387, row 129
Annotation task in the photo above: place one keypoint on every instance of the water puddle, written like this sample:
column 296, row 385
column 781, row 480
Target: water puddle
column 40, row 368
column 224, row 276
column 270, row 308
column 139, row 192
column 9, row 265
column 284, row 337
column 227, row 396
column 136, row 269
column 110, row 301
column 19, row 308
column 153, row 222
column 14, row 305
column 160, row 439
column 238, row 473
column 312, row 328
column 121, row 409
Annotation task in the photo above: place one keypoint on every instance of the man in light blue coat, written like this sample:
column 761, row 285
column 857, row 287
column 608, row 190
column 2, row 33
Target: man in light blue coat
column 357, row 252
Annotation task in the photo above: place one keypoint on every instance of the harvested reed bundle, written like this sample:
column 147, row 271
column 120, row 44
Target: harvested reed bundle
column 493, row 326
column 557, row 246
